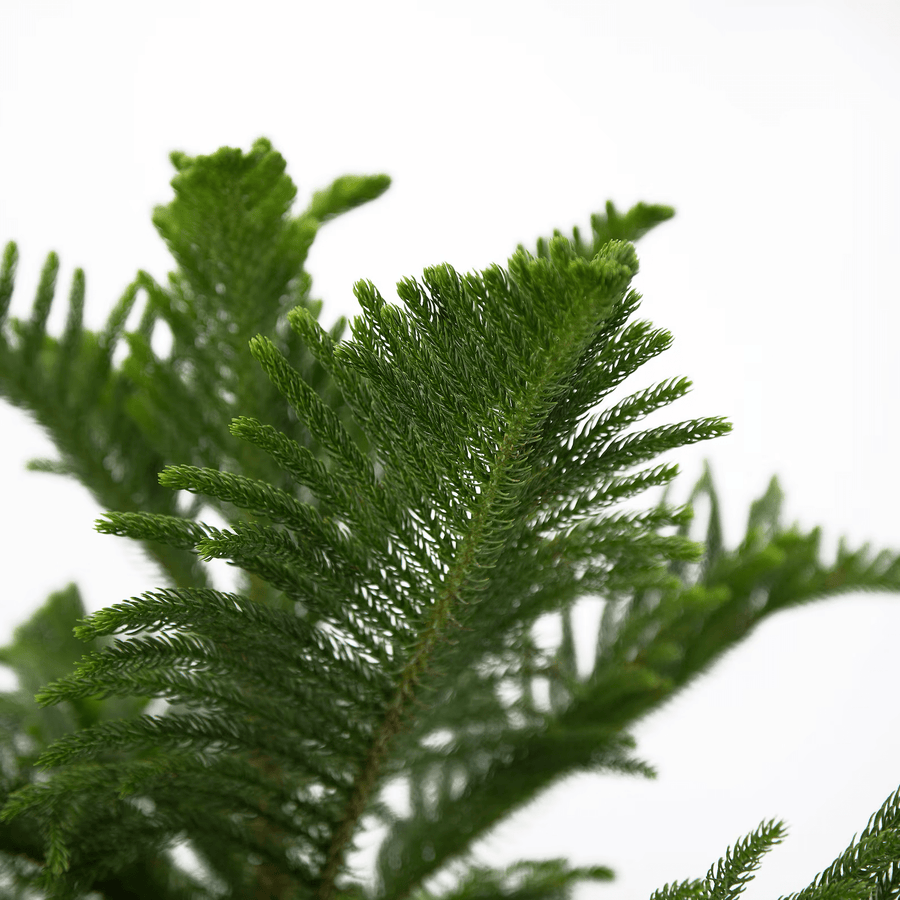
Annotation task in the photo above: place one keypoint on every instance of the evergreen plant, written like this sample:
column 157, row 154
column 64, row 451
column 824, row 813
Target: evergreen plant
column 405, row 508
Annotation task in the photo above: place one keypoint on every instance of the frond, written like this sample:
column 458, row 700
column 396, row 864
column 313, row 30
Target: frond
column 405, row 507
column 346, row 193
column 683, row 628
column 614, row 226
column 44, row 648
column 240, row 259
column 728, row 878
column 869, row 868
column 400, row 581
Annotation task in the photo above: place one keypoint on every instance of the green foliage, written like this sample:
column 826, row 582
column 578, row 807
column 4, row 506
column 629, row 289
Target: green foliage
column 726, row 880
column 867, row 870
column 405, row 508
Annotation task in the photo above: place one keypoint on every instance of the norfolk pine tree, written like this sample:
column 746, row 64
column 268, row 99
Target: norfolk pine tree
column 403, row 507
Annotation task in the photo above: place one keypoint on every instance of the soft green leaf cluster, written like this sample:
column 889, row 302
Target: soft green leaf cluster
column 406, row 508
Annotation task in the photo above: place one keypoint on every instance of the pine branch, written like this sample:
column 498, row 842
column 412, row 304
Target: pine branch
column 240, row 259
column 727, row 879
column 406, row 506
column 868, row 868
column 436, row 578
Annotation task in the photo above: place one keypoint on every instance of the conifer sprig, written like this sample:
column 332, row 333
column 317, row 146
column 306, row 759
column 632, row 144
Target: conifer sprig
column 447, row 516
column 867, row 870
column 727, row 879
column 406, row 506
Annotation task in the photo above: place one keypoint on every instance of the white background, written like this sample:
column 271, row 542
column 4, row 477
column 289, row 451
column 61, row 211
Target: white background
column 772, row 127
